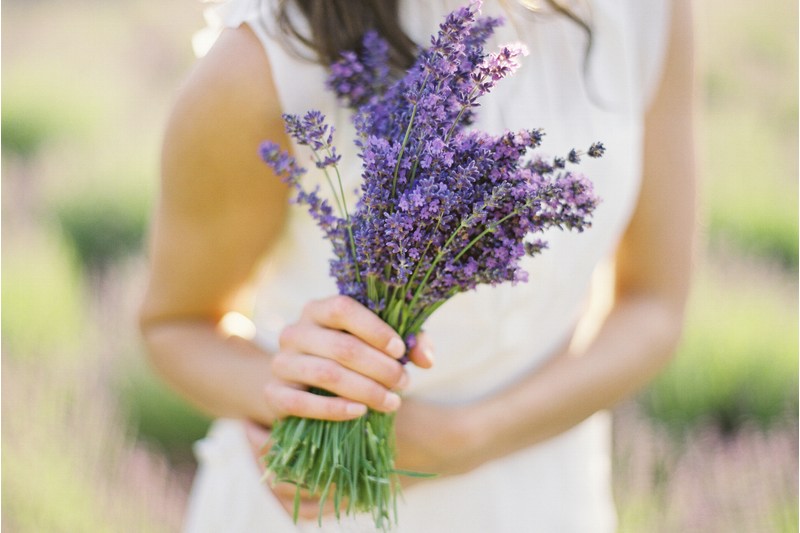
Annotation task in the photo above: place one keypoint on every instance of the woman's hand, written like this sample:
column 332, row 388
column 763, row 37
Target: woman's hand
column 258, row 437
column 436, row 439
column 430, row 439
column 340, row 346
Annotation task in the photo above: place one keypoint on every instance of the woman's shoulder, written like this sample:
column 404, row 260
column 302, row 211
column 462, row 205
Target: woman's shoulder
column 226, row 107
column 231, row 82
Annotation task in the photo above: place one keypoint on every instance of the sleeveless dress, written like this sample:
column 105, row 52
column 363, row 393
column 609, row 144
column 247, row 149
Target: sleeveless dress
column 486, row 339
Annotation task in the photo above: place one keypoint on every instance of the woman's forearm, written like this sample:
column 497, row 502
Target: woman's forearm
column 336, row 344
column 653, row 273
column 222, row 374
column 635, row 341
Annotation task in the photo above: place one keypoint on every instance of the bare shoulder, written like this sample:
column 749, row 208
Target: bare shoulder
column 220, row 208
column 655, row 255
column 677, row 82
column 226, row 107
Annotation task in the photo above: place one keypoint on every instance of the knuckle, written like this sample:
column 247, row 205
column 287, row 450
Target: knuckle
column 291, row 403
column 340, row 306
column 287, row 336
column 384, row 333
column 376, row 395
column 395, row 374
column 269, row 389
column 269, row 393
column 277, row 398
column 309, row 308
column 345, row 349
column 325, row 374
column 334, row 410
column 279, row 364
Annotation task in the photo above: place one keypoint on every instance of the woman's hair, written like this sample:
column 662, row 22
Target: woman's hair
column 339, row 25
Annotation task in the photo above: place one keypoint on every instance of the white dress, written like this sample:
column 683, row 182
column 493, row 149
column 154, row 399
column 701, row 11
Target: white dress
column 486, row 339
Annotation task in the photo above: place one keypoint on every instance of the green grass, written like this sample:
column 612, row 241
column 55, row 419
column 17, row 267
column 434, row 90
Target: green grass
column 67, row 462
column 43, row 300
column 49, row 490
column 785, row 517
column 749, row 79
column 103, row 225
column 737, row 363
column 704, row 482
column 65, row 503
column 31, row 118
column 157, row 414
column 38, row 112
column 752, row 192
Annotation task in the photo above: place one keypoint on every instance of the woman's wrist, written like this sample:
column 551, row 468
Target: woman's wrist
column 223, row 375
column 470, row 433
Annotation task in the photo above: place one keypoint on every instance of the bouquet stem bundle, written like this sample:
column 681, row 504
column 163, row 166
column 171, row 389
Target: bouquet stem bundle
column 351, row 462
column 442, row 209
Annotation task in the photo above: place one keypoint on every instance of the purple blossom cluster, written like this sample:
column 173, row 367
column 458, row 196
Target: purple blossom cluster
column 443, row 208
column 357, row 77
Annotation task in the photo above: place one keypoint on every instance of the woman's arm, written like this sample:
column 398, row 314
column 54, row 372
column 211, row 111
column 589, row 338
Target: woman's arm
column 220, row 211
column 638, row 335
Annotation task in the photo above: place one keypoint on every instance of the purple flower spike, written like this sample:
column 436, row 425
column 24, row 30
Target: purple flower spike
column 442, row 208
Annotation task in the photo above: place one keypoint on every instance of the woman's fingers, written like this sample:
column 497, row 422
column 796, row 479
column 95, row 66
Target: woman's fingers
column 346, row 314
column 421, row 354
column 258, row 438
column 330, row 376
column 340, row 346
column 309, row 503
column 287, row 400
column 347, row 350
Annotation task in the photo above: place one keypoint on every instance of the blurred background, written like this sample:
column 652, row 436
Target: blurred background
column 91, row 441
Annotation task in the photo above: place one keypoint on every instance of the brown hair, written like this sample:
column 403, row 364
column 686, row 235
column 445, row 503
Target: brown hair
column 338, row 25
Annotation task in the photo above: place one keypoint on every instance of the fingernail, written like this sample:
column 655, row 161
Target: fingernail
column 404, row 381
column 392, row 401
column 428, row 353
column 396, row 347
column 356, row 409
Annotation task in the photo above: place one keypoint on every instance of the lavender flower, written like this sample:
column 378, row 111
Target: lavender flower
column 442, row 208
column 356, row 78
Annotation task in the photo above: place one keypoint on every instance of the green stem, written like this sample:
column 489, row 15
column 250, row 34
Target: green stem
column 341, row 189
column 461, row 112
column 489, row 229
column 352, row 460
column 407, row 135
column 407, row 286
column 435, row 262
column 419, row 149
column 420, row 319
column 342, row 206
column 342, row 211
column 403, row 149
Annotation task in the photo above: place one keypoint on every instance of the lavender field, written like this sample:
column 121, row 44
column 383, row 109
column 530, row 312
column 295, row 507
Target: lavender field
column 91, row 441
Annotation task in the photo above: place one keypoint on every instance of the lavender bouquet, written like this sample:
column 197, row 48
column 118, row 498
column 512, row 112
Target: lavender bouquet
column 442, row 209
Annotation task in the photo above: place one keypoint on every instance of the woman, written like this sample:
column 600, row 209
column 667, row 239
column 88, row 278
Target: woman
column 510, row 414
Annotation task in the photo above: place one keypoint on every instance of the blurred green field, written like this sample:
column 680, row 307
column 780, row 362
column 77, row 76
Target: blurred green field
column 749, row 87
column 83, row 104
column 737, row 364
